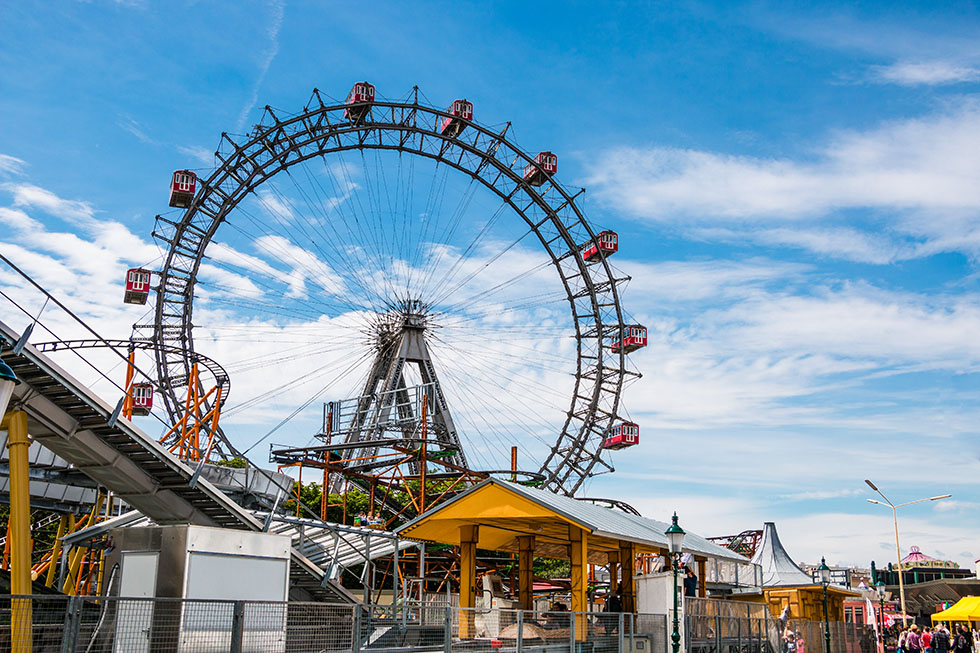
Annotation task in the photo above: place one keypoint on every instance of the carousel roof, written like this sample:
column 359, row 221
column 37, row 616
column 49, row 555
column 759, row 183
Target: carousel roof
column 777, row 567
column 916, row 556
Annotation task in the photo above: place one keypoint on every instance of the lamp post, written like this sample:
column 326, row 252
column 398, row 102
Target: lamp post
column 898, row 549
column 675, row 538
column 880, row 588
column 825, row 581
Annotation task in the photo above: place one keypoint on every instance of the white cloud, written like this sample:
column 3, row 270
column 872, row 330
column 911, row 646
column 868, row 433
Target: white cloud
column 11, row 165
column 845, row 243
column 277, row 207
column 927, row 73
column 202, row 154
column 29, row 195
column 821, row 494
column 918, row 176
column 277, row 8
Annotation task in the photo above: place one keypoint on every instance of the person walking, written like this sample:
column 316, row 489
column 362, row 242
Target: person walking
column 903, row 634
column 940, row 640
column 927, row 640
column 964, row 641
column 913, row 641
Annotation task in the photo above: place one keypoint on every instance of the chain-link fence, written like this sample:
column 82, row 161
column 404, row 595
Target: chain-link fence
column 713, row 626
column 61, row 624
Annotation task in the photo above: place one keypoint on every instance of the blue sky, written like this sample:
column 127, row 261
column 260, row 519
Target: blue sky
column 795, row 189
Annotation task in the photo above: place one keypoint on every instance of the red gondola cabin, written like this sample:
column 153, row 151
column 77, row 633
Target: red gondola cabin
column 634, row 337
column 142, row 394
column 182, row 189
column 605, row 243
column 359, row 101
column 545, row 164
column 460, row 112
column 623, row 435
column 137, row 286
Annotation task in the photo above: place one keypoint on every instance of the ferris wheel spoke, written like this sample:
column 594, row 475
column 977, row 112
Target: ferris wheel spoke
column 315, row 242
column 283, row 253
column 358, row 227
column 472, row 247
column 525, row 413
column 442, row 236
column 323, row 258
column 537, row 356
column 489, row 265
column 490, row 365
column 269, row 395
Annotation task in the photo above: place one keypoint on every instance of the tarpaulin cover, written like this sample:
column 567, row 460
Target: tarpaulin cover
column 966, row 609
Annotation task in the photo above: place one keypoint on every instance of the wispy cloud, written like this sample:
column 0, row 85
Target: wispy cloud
column 277, row 9
column 11, row 165
column 925, row 73
column 137, row 130
column 29, row 195
column 820, row 495
column 917, row 176
column 202, row 154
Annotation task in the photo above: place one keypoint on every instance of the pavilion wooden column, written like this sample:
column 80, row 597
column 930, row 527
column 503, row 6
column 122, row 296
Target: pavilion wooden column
column 469, row 535
column 627, row 560
column 613, row 571
column 702, row 572
column 579, row 540
column 525, row 571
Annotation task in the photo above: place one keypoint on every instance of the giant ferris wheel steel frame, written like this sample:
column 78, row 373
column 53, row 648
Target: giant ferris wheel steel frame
column 485, row 156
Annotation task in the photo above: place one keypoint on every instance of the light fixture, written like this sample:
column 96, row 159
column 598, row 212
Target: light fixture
column 675, row 536
column 824, row 572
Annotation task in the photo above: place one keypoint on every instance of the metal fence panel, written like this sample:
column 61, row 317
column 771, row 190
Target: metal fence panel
column 60, row 624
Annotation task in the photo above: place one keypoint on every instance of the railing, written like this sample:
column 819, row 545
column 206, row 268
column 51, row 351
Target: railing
column 713, row 626
column 61, row 624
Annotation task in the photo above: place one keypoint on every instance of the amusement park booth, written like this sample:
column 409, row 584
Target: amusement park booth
column 498, row 515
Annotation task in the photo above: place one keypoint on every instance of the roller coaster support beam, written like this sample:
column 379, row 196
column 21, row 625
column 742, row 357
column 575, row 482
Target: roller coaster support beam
column 15, row 423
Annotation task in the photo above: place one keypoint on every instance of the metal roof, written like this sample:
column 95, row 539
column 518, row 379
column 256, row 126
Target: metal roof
column 778, row 569
column 600, row 521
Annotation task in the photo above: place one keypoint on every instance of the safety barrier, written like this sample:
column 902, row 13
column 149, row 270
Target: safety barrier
column 62, row 624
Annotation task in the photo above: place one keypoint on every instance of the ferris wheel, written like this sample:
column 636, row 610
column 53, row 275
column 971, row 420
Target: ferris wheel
column 380, row 247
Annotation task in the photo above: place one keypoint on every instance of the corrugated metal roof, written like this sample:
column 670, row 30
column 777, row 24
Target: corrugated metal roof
column 603, row 522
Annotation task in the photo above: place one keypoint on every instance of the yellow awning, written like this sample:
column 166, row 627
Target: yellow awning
column 966, row 609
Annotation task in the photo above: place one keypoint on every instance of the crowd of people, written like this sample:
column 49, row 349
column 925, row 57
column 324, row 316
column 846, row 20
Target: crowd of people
column 935, row 639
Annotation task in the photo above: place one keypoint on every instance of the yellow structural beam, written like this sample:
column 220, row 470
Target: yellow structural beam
column 469, row 535
column 579, row 541
column 15, row 423
column 56, row 551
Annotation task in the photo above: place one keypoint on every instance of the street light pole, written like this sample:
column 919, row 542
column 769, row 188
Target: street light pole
column 880, row 588
column 675, row 540
column 898, row 549
column 825, row 581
